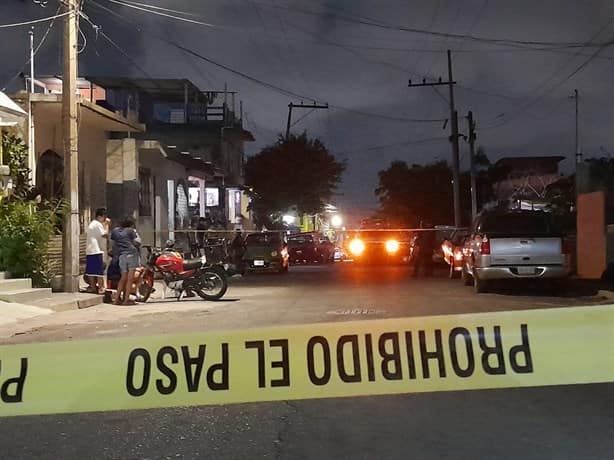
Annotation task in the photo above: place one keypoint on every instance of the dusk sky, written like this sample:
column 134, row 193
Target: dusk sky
column 353, row 55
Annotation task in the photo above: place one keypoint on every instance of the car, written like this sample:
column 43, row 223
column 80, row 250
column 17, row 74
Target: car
column 310, row 247
column 452, row 249
column 266, row 251
column 519, row 245
column 379, row 246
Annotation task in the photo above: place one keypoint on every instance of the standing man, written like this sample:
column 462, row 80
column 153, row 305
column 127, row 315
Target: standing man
column 97, row 231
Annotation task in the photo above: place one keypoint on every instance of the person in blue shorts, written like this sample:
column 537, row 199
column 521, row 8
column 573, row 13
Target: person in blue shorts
column 126, row 246
column 97, row 232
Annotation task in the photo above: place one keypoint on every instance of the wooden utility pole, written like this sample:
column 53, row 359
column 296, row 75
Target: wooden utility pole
column 71, row 152
column 300, row 106
column 474, row 194
column 453, row 137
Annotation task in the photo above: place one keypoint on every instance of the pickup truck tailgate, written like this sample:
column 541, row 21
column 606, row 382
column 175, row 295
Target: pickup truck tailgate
column 526, row 251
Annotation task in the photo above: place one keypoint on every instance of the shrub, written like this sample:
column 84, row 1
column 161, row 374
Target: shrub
column 25, row 230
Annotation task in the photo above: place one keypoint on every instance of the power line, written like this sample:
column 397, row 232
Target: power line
column 38, row 47
column 34, row 21
column 357, row 19
column 578, row 69
column 396, row 144
column 389, row 26
column 271, row 86
column 159, row 13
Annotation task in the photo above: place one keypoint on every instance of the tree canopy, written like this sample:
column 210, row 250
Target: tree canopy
column 295, row 173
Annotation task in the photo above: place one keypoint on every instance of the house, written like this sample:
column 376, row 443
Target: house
column 198, row 129
column 523, row 181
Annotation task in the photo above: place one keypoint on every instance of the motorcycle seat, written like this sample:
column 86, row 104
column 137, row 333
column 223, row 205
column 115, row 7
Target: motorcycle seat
column 192, row 264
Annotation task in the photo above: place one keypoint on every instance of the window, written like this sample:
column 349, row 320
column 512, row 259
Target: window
column 145, row 192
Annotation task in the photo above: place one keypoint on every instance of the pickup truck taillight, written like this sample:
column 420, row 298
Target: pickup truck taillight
column 485, row 246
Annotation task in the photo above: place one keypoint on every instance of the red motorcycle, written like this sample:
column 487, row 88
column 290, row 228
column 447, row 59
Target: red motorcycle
column 194, row 276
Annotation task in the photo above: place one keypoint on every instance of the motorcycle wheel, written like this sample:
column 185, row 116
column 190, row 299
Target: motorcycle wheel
column 213, row 285
column 146, row 287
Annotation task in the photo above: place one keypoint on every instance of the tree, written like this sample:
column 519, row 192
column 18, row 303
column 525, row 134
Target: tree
column 411, row 195
column 298, row 172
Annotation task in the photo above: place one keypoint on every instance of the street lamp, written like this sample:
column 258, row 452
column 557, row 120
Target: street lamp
column 336, row 221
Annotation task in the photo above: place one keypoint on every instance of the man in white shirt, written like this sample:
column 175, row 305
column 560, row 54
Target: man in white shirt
column 97, row 231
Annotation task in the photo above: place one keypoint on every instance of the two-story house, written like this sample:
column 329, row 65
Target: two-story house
column 202, row 129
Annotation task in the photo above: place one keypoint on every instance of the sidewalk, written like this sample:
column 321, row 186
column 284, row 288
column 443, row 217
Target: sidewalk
column 12, row 312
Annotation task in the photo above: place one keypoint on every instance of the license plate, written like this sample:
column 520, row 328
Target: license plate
column 526, row 270
column 258, row 263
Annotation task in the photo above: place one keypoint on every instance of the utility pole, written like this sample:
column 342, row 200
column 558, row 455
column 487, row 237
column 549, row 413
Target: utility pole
column 300, row 106
column 31, row 144
column 474, row 194
column 578, row 154
column 71, row 143
column 453, row 137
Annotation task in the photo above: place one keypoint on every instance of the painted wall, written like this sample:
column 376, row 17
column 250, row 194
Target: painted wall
column 591, row 242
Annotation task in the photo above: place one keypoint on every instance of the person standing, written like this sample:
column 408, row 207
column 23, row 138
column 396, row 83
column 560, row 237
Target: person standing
column 97, row 231
column 126, row 246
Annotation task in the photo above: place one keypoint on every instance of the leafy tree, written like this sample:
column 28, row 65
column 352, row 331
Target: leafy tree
column 410, row 195
column 298, row 172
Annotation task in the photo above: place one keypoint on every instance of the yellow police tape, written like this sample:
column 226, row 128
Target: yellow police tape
column 391, row 356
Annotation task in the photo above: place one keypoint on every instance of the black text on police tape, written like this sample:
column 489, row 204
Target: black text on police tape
column 11, row 388
column 393, row 352
column 140, row 363
column 388, row 356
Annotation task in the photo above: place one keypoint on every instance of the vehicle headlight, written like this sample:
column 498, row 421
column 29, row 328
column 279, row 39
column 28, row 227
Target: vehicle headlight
column 458, row 255
column 357, row 247
column 392, row 246
column 274, row 254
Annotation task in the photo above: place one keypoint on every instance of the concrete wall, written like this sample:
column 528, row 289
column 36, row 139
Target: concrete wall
column 154, row 228
column 92, row 160
column 121, row 181
column 591, row 240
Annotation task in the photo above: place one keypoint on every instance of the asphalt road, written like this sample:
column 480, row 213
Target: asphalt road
column 549, row 422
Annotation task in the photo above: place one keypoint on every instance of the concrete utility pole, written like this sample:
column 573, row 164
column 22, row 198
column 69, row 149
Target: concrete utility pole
column 577, row 152
column 31, row 143
column 474, row 194
column 453, row 137
column 71, row 143
column 300, row 106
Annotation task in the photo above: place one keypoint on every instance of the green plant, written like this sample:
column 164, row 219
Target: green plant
column 15, row 155
column 25, row 230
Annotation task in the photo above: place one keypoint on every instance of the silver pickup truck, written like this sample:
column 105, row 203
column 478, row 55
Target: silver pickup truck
column 513, row 245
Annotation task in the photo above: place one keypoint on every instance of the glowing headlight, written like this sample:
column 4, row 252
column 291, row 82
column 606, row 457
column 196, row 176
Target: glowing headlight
column 357, row 247
column 392, row 246
column 274, row 254
column 458, row 255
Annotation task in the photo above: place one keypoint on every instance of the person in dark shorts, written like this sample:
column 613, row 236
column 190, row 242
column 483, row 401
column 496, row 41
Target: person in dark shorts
column 97, row 231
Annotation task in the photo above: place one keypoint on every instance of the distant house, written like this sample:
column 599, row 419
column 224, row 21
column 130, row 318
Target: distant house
column 524, row 180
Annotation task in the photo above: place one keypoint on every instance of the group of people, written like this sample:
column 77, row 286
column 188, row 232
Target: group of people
column 124, row 252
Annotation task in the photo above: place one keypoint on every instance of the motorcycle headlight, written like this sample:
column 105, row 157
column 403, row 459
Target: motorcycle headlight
column 274, row 254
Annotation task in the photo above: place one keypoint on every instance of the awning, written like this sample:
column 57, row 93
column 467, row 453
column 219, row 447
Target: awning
column 10, row 112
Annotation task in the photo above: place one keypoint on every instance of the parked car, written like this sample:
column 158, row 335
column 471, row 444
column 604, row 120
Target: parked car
column 452, row 249
column 514, row 245
column 310, row 247
column 266, row 251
